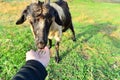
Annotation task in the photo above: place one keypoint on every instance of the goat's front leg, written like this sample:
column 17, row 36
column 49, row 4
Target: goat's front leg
column 57, row 57
column 50, row 43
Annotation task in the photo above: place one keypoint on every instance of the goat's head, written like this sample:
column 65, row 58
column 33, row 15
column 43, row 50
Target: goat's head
column 40, row 17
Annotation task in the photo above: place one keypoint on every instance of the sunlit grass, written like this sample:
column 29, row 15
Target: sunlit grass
column 94, row 56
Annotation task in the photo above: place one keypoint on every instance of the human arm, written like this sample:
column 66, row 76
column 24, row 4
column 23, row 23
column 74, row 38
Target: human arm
column 34, row 69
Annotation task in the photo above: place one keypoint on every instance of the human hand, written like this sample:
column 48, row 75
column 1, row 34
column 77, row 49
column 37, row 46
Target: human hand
column 42, row 56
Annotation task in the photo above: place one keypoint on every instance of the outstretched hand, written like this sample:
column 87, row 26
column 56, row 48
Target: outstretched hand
column 42, row 56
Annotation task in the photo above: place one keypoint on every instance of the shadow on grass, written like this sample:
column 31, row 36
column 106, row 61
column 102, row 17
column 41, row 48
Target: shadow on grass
column 90, row 31
column 106, row 29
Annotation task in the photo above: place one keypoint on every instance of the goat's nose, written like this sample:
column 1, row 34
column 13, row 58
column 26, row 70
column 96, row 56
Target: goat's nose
column 41, row 42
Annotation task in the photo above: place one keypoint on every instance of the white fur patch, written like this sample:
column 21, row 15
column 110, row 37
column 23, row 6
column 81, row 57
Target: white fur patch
column 41, row 23
column 55, row 31
column 59, row 10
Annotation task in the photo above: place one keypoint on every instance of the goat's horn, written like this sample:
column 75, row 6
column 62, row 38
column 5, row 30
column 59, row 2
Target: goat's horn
column 35, row 1
column 47, row 2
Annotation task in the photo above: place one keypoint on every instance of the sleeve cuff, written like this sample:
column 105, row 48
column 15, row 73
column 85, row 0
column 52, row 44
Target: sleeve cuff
column 38, row 66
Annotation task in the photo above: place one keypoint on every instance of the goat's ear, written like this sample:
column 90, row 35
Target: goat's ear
column 22, row 18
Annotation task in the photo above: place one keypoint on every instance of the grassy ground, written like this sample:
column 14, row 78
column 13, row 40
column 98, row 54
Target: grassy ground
column 94, row 56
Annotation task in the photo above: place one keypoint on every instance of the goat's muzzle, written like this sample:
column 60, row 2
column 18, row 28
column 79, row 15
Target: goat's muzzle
column 40, row 44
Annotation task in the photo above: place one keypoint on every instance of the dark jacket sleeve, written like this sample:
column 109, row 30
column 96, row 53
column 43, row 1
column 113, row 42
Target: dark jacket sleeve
column 32, row 70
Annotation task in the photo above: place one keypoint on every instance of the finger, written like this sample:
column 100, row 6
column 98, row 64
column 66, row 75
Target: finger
column 46, row 48
column 40, row 51
column 30, row 52
column 43, row 51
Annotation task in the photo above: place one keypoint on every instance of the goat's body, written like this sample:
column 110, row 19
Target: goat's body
column 62, row 10
column 55, row 31
column 48, row 21
column 59, row 9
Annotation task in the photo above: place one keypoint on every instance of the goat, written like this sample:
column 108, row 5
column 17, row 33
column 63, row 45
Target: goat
column 48, row 21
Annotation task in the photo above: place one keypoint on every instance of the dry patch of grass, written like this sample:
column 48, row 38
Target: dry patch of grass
column 10, row 11
column 84, row 19
column 13, row 7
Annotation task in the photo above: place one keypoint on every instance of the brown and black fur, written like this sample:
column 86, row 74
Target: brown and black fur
column 44, row 18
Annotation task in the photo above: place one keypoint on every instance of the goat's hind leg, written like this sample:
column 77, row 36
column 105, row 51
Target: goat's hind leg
column 73, row 32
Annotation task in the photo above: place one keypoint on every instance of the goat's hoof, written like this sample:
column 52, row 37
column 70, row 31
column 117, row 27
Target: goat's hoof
column 74, row 39
column 57, row 59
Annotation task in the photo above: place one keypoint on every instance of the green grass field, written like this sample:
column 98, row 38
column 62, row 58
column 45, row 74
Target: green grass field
column 94, row 56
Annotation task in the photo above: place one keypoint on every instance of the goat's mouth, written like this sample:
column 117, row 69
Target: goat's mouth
column 40, row 45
